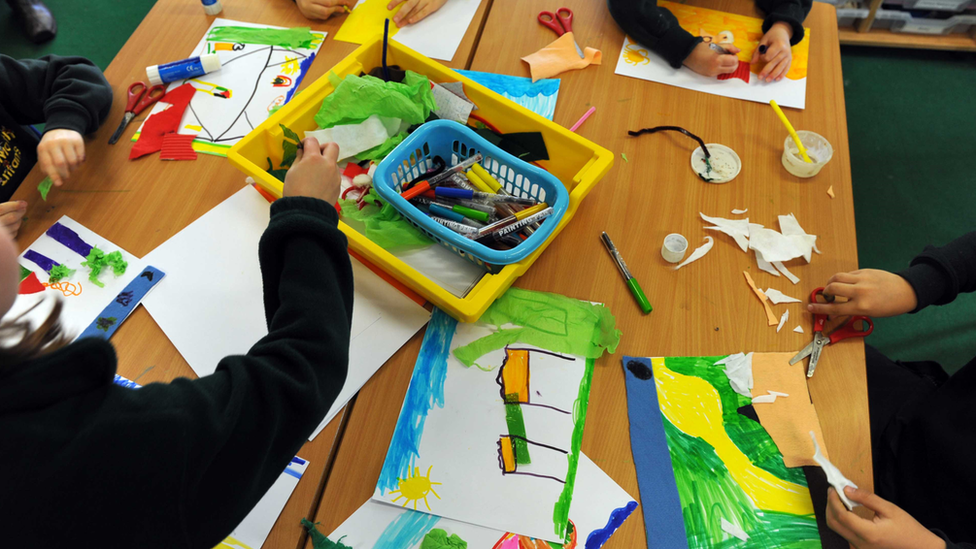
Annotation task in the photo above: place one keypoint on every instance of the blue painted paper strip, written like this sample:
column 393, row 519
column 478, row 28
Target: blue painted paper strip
column 41, row 260
column 125, row 382
column 663, row 520
column 539, row 97
column 597, row 538
column 70, row 239
column 122, row 306
column 426, row 391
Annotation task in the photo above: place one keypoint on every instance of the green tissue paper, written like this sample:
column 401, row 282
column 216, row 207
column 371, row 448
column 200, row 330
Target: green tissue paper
column 44, row 187
column 438, row 539
column 384, row 224
column 59, row 272
column 98, row 260
column 356, row 98
column 319, row 541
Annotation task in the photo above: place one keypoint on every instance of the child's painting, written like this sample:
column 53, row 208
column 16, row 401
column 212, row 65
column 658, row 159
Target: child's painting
column 717, row 478
column 721, row 29
column 593, row 517
column 261, row 69
column 491, row 426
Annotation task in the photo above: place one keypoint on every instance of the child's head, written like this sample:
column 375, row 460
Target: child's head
column 9, row 272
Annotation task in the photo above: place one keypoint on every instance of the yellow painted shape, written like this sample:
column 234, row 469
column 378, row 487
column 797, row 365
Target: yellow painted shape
column 515, row 375
column 692, row 405
column 193, row 128
column 415, row 488
column 290, row 66
column 223, row 46
column 636, row 55
column 231, row 543
column 508, row 455
column 366, row 21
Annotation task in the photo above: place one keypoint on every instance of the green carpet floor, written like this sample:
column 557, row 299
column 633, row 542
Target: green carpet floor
column 911, row 117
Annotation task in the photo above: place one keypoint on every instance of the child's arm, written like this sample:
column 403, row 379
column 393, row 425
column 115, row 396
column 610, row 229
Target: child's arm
column 414, row 10
column 938, row 275
column 792, row 12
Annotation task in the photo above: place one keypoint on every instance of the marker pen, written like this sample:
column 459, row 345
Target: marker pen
column 440, row 178
column 492, row 198
column 178, row 70
column 518, row 216
column 507, row 230
column 463, row 230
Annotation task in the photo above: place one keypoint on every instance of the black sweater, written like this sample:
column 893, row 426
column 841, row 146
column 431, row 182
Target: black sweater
column 933, row 438
column 180, row 464
column 657, row 28
column 59, row 92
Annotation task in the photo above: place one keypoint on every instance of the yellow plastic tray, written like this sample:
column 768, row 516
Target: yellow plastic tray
column 577, row 162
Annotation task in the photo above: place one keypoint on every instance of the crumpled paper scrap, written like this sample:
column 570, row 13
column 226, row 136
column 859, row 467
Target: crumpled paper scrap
column 559, row 57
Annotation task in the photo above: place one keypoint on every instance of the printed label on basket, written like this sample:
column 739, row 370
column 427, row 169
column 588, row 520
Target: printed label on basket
column 944, row 5
column 922, row 28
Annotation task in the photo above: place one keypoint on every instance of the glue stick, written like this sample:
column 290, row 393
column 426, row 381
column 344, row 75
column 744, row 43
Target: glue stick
column 212, row 7
column 178, row 70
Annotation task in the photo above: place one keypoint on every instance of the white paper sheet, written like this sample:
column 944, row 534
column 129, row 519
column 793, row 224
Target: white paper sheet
column 698, row 253
column 834, row 475
column 450, row 106
column 736, row 228
column 777, row 297
column 790, row 227
column 765, row 265
column 440, row 34
column 253, row 531
column 214, row 261
column 259, row 77
column 353, row 139
column 601, row 504
column 83, row 300
column 738, row 368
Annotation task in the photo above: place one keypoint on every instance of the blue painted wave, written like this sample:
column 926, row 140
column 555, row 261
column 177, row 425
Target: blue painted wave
column 407, row 530
column 426, row 391
column 597, row 538
column 539, row 97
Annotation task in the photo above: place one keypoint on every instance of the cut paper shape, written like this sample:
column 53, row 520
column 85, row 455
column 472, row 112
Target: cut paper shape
column 830, row 191
column 24, row 272
column 44, row 187
column 353, row 139
column 806, row 243
column 738, row 229
column 123, row 305
column 698, row 253
column 738, row 211
column 239, row 97
column 457, row 88
column 560, row 56
column 787, row 420
column 707, row 442
column 778, row 297
column 765, row 265
column 45, row 263
column 439, row 539
column 224, row 244
column 601, row 508
column 253, row 531
column 770, row 317
column 786, row 272
column 738, row 368
column 69, row 239
column 773, row 245
column 163, row 121
column 450, row 106
column 782, row 320
column 30, row 285
column 452, row 414
column 539, row 97
column 744, row 32
column 177, row 147
column 834, row 476
column 352, row 169
column 733, row 529
column 798, row 329
column 768, row 398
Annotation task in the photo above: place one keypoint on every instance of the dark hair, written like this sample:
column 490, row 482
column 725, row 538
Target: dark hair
column 48, row 337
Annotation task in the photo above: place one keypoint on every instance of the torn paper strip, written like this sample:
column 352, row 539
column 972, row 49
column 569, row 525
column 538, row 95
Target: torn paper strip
column 738, row 229
column 698, row 253
column 765, row 265
column 770, row 317
column 734, row 530
column 777, row 393
column 450, row 106
column 782, row 320
column 786, row 272
column 778, row 297
column 738, row 368
column 798, row 329
column 764, row 399
column 773, row 245
column 740, row 212
column 834, row 476
column 791, row 229
column 353, row 139
column 830, row 191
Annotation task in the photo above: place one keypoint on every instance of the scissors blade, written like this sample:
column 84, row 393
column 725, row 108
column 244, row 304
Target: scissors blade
column 118, row 132
column 578, row 50
column 804, row 352
column 819, row 343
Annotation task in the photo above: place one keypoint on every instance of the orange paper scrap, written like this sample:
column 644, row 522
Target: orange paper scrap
column 788, row 420
column 770, row 316
column 559, row 57
column 830, row 191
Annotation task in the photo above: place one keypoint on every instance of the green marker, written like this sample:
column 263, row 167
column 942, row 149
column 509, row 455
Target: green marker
column 635, row 288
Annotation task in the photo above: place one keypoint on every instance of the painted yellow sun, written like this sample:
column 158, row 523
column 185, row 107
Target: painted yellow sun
column 636, row 55
column 415, row 488
column 290, row 66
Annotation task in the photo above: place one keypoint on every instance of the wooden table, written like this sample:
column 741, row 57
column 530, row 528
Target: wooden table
column 703, row 309
column 140, row 204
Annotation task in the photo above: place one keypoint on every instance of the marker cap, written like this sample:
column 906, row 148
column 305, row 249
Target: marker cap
column 674, row 248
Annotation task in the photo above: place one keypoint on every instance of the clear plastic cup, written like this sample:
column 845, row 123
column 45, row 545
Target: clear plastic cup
column 818, row 149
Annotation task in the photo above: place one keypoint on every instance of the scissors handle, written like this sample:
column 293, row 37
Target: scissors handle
column 548, row 19
column 850, row 329
column 565, row 16
column 141, row 96
column 819, row 320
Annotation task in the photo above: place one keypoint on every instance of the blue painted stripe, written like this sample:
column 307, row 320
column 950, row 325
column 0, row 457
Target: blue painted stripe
column 41, row 260
column 426, row 391
column 122, row 306
column 597, row 538
column 125, row 382
column 298, row 460
column 292, row 472
column 302, row 69
column 407, row 530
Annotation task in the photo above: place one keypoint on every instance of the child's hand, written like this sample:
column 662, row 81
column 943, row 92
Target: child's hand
column 891, row 527
column 59, row 153
column 704, row 60
column 414, row 10
column 314, row 173
column 322, row 9
column 11, row 215
column 779, row 53
column 870, row 292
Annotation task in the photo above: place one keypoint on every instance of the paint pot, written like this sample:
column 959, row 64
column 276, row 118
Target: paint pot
column 212, row 7
column 818, row 149
column 674, row 248
column 186, row 68
column 722, row 167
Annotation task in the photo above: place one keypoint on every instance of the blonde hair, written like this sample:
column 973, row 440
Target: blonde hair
column 48, row 337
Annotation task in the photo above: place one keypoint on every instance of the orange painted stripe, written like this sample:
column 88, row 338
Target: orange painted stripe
column 508, row 455
column 515, row 374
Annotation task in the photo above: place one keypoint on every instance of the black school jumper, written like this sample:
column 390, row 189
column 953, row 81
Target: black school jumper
column 923, row 422
column 87, row 463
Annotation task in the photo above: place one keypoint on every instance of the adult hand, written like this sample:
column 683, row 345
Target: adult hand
column 870, row 292
column 706, row 61
column 779, row 53
column 414, row 10
column 59, row 153
column 12, row 215
column 322, row 9
column 891, row 527
column 314, row 172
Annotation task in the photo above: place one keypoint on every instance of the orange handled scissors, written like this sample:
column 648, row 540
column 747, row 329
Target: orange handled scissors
column 850, row 328
column 561, row 22
column 140, row 97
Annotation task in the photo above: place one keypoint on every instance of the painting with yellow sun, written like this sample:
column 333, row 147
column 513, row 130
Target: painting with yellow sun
column 415, row 488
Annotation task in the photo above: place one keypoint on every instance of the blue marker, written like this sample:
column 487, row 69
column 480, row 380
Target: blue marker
column 178, row 70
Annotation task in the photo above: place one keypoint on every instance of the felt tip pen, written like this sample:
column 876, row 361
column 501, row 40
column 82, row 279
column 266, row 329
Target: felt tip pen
column 462, row 211
column 632, row 284
column 509, row 229
column 497, row 188
column 518, row 216
column 460, row 228
column 450, row 192
column 423, row 186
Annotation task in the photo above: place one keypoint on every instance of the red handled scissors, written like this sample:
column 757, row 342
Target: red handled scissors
column 140, row 97
column 846, row 330
column 561, row 22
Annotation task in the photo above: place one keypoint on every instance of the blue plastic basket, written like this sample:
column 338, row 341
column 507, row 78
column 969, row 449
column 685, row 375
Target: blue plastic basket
column 454, row 142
